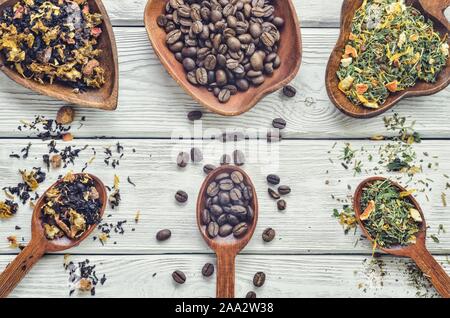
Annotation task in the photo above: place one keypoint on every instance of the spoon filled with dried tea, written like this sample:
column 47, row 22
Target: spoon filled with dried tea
column 227, row 213
column 393, row 221
column 63, row 217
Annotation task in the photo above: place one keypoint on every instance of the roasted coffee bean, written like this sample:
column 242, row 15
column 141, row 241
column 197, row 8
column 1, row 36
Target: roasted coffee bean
column 216, row 210
column 208, row 168
column 279, row 123
column 195, row 115
column 239, row 158
column 196, row 155
column 213, row 189
column 273, row 194
column 243, row 85
column 232, row 219
column 221, row 220
column 201, row 76
column 189, row 64
column 182, row 159
column 173, row 36
column 240, row 230
column 161, row 20
column 284, row 190
column 250, row 294
column 210, row 62
column 235, row 195
column 268, row 235
column 224, row 198
column 208, row 270
column 225, row 230
column 225, row 160
column 163, row 235
column 212, row 229
column 282, row 205
column 289, row 91
column 181, row 196
column 259, row 279
column 222, row 176
column 273, row 179
column 179, row 277
column 205, row 217
column 250, row 214
column 237, row 177
column 224, row 95
column 226, row 185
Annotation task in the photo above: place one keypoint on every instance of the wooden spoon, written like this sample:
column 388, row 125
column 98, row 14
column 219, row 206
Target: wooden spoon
column 104, row 98
column 290, row 52
column 432, row 9
column 418, row 251
column 39, row 244
column 226, row 248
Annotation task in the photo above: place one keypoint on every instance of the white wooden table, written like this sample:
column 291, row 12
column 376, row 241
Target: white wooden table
column 311, row 257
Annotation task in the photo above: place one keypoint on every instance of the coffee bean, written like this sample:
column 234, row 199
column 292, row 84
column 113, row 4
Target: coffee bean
column 201, row 75
column 237, row 177
column 182, row 159
column 189, row 64
column 225, row 160
column 259, row 279
column 224, row 198
column 205, row 217
column 281, row 204
column 181, row 196
column 226, row 185
column 232, row 219
column 289, row 91
column 268, row 235
column 273, row 194
column 279, row 123
column 212, row 229
column 240, row 230
column 208, row 168
column 284, row 190
column 196, row 155
column 163, row 235
column 239, row 158
column 179, row 277
column 161, row 20
column 208, row 270
column 213, row 189
column 225, row 230
column 224, row 96
column 216, row 210
column 250, row 294
column 195, row 115
column 250, row 214
column 222, row 176
column 235, row 195
column 222, row 220
column 273, row 179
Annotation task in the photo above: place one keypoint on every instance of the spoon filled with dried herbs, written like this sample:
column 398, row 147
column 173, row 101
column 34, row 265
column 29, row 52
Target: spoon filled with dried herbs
column 63, row 217
column 393, row 221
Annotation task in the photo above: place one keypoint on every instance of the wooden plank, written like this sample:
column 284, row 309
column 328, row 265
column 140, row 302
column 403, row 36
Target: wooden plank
column 307, row 226
column 152, row 105
column 286, row 276
column 311, row 13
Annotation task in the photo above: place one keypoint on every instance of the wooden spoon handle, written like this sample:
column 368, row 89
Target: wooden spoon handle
column 436, row 8
column 225, row 274
column 433, row 270
column 20, row 266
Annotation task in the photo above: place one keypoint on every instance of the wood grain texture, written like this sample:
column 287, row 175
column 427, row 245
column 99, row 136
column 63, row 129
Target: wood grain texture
column 306, row 226
column 152, row 105
column 287, row 276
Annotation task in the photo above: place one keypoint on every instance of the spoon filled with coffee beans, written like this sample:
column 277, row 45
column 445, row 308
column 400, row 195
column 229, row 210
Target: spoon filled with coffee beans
column 227, row 214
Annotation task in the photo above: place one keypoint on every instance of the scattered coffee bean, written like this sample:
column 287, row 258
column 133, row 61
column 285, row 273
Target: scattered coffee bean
column 273, row 194
column 259, row 279
column 282, row 205
column 195, row 115
column 268, row 235
column 196, row 155
column 238, row 157
column 208, row 270
column 182, row 159
column 250, row 294
column 273, row 179
column 289, row 91
column 208, row 168
column 279, row 123
column 163, row 235
column 179, row 277
column 284, row 190
column 181, row 196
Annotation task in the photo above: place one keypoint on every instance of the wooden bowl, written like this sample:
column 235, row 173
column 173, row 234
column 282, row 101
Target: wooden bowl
column 104, row 98
column 431, row 9
column 289, row 51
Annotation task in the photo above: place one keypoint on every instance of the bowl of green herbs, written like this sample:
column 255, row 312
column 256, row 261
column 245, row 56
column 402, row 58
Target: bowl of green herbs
column 393, row 221
column 388, row 50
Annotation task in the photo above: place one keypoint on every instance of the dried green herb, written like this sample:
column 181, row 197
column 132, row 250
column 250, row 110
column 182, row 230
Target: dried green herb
column 389, row 217
column 390, row 48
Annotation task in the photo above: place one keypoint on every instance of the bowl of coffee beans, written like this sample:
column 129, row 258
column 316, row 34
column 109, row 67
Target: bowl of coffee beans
column 227, row 54
column 227, row 206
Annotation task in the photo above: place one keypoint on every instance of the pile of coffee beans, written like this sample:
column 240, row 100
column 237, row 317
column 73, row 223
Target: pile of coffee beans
column 224, row 45
column 228, row 207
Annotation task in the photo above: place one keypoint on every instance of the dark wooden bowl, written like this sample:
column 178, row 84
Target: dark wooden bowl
column 290, row 53
column 104, row 98
column 432, row 9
